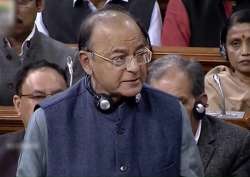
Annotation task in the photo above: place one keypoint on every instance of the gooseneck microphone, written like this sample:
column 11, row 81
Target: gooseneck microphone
column 218, row 82
column 70, row 68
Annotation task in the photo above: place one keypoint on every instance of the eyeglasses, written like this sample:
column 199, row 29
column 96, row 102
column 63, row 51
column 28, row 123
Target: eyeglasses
column 142, row 56
column 36, row 96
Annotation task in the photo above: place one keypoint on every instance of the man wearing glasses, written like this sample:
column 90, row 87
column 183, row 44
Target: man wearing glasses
column 34, row 82
column 110, row 123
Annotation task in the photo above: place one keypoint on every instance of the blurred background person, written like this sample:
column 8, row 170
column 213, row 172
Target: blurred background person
column 34, row 82
column 7, row 16
column 197, row 23
column 228, row 88
column 224, row 148
column 63, row 24
column 25, row 44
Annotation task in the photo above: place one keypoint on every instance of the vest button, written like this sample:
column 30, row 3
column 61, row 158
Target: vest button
column 120, row 131
column 123, row 168
column 9, row 57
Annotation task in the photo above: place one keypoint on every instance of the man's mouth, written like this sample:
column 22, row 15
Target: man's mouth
column 132, row 80
column 19, row 21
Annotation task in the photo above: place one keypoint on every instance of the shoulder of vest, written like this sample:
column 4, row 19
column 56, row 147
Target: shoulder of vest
column 157, row 97
column 66, row 96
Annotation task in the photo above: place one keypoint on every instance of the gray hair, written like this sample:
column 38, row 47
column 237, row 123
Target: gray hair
column 193, row 69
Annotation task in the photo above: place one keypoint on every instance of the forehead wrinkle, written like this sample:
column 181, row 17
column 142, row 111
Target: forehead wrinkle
column 132, row 38
column 241, row 27
column 104, row 30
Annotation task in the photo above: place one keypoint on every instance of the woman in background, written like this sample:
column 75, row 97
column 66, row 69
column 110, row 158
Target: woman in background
column 228, row 88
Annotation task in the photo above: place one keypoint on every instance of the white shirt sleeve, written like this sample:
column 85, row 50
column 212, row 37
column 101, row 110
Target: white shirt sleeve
column 155, row 27
column 33, row 157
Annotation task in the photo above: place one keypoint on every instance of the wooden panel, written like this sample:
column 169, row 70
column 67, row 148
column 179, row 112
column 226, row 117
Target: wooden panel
column 9, row 120
column 208, row 57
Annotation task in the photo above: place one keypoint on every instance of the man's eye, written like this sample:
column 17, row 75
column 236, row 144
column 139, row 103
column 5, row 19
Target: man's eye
column 119, row 60
column 140, row 52
column 38, row 97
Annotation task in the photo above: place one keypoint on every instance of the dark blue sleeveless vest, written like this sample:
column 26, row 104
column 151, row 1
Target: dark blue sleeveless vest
column 207, row 17
column 136, row 139
column 63, row 21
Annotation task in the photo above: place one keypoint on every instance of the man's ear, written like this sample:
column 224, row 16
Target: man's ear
column 85, row 62
column 17, row 104
column 40, row 5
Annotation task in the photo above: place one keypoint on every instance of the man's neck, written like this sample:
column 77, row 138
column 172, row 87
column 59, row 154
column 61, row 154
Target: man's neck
column 98, row 3
column 97, row 89
column 16, row 43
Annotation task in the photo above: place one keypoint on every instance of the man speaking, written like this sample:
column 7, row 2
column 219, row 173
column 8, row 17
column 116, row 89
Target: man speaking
column 110, row 123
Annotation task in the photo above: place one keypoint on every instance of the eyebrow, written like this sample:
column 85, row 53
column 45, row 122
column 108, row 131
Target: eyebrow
column 42, row 92
column 122, row 50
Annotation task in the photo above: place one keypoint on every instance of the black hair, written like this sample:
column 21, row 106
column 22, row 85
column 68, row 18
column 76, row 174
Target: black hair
column 241, row 16
column 90, row 22
column 23, row 73
column 192, row 68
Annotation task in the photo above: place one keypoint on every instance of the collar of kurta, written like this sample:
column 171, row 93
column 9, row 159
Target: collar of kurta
column 25, row 42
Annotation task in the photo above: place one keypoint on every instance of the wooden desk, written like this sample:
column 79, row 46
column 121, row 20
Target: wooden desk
column 245, row 122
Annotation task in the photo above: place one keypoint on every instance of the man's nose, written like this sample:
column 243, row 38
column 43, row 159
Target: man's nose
column 132, row 65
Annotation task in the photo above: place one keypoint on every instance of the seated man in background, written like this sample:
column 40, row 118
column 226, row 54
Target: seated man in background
column 24, row 44
column 63, row 24
column 224, row 148
column 34, row 82
column 228, row 88
column 110, row 123
column 197, row 23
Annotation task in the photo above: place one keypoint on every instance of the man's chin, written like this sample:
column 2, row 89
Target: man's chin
column 130, row 92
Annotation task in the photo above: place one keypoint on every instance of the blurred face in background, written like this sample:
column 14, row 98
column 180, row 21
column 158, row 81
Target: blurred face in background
column 177, row 83
column 7, row 16
column 26, row 11
column 37, row 85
